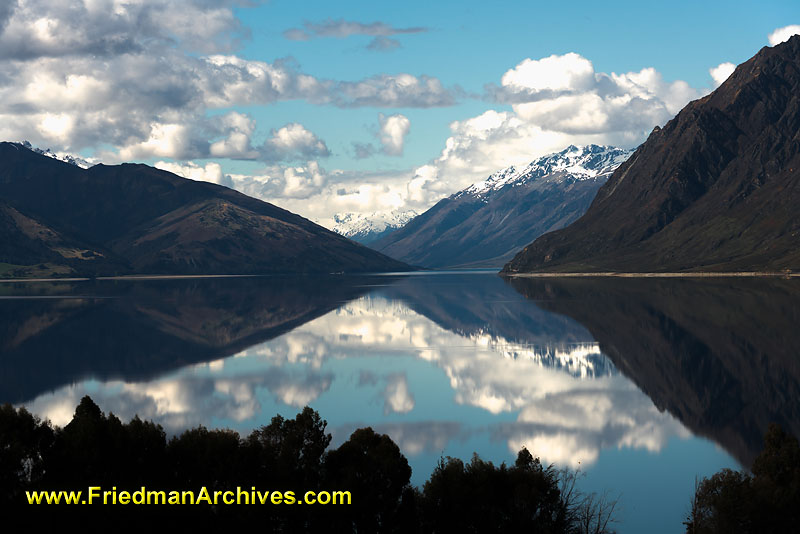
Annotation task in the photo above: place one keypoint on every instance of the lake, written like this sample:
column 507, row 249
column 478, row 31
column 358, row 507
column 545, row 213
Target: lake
column 645, row 385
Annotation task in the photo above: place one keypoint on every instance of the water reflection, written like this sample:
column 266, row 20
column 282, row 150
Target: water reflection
column 722, row 355
column 634, row 380
column 56, row 334
column 432, row 361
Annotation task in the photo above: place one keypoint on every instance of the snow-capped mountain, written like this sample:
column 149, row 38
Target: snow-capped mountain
column 485, row 224
column 578, row 163
column 366, row 228
column 66, row 158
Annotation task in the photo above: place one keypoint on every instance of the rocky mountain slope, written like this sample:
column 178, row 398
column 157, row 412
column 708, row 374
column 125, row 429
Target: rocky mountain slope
column 487, row 223
column 124, row 219
column 716, row 189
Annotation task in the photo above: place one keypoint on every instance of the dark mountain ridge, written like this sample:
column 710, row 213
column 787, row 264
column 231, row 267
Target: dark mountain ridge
column 716, row 189
column 133, row 218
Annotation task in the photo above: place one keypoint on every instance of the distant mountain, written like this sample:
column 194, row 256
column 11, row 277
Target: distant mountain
column 717, row 189
column 58, row 218
column 490, row 221
column 367, row 228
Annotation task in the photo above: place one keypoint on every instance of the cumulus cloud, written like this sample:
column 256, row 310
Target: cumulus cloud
column 783, row 34
column 210, row 172
column 721, row 72
column 293, row 141
column 547, row 77
column 393, row 131
column 145, row 78
column 555, row 101
column 283, row 184
column 58, row 28
column 238, row 129
column 341, row 29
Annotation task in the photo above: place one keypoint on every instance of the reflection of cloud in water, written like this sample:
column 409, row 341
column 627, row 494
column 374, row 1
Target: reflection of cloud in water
column 397, row 398
column 571, row 428
column 571, row 401
column 189, row 399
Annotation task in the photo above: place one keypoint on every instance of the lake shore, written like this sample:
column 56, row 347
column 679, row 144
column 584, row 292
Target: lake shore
column 701, row 274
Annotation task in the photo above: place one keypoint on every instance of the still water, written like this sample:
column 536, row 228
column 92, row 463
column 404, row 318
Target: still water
column 644, row 385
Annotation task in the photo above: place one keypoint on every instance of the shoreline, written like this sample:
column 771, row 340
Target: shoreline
column 609, row 274
column 702, row 274
column 130, row 277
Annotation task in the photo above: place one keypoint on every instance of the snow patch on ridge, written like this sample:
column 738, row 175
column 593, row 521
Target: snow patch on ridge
column 579, row 162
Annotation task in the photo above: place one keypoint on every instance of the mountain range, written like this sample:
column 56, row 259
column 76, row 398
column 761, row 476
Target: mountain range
column 368, row 228
column 490, row 221
column 57, row 218
column 716, row 189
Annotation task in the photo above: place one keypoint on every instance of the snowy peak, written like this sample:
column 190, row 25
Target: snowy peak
column 368, row 227
column 577, row 162
column 66, row 158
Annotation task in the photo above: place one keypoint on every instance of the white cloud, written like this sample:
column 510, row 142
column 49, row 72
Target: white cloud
column 237, row 144
column 210, row 172
column 393, row 131
column 783, row 34
column 105, row 28
column 293, row 141
column 568, row 73
column 556, row 101
column 721, row 72
column 283, row 185
column 144, row 78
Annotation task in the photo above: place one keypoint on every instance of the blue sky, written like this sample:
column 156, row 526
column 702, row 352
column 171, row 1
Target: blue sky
column 333, row 107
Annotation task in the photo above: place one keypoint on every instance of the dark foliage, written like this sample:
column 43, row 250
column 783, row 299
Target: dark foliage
column 768, row 500
column 288, row 455
column 479, row 497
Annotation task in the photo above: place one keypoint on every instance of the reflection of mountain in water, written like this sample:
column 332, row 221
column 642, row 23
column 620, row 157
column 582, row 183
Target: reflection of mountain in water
column 484, row 311
column 467, row 304
column 722, row 355
column 414, row 355
column 140, row 330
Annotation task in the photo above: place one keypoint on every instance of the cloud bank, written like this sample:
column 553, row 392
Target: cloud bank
column 160, row 79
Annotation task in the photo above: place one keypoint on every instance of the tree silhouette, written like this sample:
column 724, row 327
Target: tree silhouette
column 24, row 440
column 768, row 500
column 292, row 455
column 372, row 468
column 480, row 497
